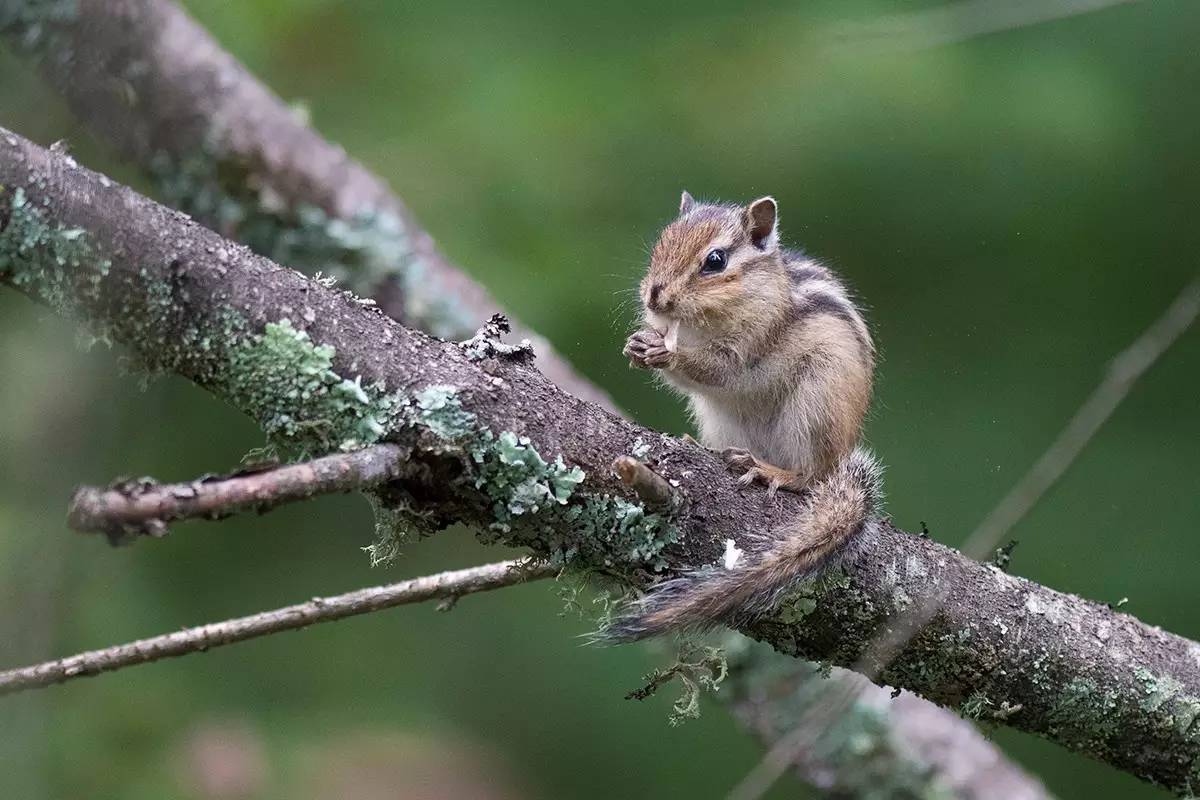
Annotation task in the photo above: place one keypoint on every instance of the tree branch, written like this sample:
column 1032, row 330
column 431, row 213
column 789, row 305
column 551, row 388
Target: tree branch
column 235, row 159
column 144, row 507
column 878, row 745
column 222, row 147
column 284, row 350
column 320, row 609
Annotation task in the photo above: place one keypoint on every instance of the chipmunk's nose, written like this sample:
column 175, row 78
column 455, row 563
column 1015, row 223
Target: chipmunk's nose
column 653, row 303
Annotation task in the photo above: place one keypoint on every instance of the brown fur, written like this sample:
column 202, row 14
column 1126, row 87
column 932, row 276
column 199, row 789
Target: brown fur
column 836, row 520
column 777, row 364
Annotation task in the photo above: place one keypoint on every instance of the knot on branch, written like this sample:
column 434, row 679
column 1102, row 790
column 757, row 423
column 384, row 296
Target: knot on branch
column 100, row 510
column 651, row 488
column 487, row 342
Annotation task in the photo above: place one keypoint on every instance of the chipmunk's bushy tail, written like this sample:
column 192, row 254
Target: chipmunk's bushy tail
column 838, row 518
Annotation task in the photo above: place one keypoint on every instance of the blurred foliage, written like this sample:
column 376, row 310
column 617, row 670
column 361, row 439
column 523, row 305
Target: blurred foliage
column 1013, row 208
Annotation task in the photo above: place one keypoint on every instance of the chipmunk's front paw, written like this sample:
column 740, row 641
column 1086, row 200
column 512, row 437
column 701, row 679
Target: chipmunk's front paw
column 647, row 350
column 754, row 471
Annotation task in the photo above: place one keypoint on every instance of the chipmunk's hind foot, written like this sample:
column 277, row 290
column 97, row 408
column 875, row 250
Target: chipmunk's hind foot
column 752, row 470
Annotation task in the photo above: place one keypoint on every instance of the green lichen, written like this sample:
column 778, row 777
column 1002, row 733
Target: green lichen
column 1166, row 705
column 804, row 600
column 47, row 260
column 1158, row 690
column 286, row 382
column 698, row 667
column 441, row 412
column 976, row 707
column 608, row 597
column 362, row 252
column 1084, row 716
column 533, row 505
column 515, row 475
column 533, row 501
column 398, row 523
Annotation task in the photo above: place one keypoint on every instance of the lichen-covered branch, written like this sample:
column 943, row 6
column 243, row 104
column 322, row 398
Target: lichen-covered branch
column 143, row 75
column 444, row 585
column 878, row 745
column 502, row 448
column 144, row 507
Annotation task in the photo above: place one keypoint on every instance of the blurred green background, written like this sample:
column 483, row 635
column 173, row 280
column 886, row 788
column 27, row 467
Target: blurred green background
column 1013, row 208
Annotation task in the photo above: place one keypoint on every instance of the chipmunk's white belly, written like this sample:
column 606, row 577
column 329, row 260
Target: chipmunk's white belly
column 776, row 437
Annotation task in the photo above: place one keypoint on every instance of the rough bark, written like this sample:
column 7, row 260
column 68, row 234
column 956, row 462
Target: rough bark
column 1001, row 648
column 144, row 76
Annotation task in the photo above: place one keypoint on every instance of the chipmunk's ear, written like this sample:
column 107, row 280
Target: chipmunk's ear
column 761, row 220
column 686, row 203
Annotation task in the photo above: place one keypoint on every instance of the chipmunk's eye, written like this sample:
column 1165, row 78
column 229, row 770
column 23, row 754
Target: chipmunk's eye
column 715, row 261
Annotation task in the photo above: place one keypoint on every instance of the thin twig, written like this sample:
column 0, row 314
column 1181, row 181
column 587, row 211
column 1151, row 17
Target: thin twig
column 319, row 609
column 955, row 22
column 1124, row 371
column 144, row 507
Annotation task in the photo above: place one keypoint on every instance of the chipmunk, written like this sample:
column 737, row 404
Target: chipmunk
column 777, row 363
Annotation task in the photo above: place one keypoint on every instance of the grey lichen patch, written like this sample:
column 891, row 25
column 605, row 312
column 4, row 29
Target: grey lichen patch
column 959, row 662
column 1166, row 705
column 49, row 261
column 1085, row 716
column 487, row 342
column 1158, row 690
column 362, row 252
column 640, row 449
column 857, row 617
column 287, row 383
